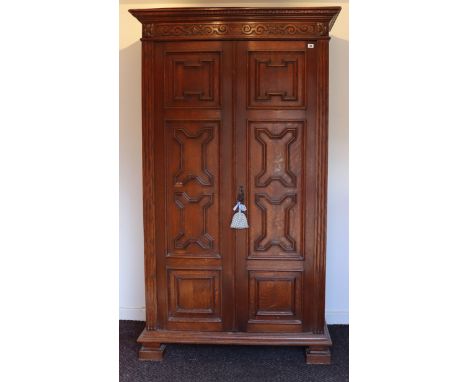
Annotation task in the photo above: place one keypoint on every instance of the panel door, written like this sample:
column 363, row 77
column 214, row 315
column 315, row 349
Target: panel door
column 193, row 180
column 275, row 157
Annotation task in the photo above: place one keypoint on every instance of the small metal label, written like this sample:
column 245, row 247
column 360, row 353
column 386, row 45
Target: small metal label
column 310, row 45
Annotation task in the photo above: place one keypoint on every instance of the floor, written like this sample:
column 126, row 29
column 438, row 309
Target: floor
column 230, row 363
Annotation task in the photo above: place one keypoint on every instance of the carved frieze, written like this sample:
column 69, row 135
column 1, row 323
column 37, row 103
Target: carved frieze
column 284, row 29
column 190, row 29
column 163, row 31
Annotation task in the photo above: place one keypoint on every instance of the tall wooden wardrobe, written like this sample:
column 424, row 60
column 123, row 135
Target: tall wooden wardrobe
column 235, row 104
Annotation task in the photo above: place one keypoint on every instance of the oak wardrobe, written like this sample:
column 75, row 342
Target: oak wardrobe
column 235, row 106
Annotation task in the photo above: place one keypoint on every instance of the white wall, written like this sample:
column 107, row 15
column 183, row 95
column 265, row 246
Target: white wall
column 132, row 297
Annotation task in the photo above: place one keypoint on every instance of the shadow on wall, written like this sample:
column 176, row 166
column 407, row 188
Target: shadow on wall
column 131, row 259
column 337, row 277
column 339, row 76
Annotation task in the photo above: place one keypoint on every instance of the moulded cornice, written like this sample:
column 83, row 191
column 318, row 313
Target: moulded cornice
column 235, row 23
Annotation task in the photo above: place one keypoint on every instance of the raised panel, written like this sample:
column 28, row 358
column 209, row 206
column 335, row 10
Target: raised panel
column 276, row 79
column 275, row 156
column 276, row 222
column 192, row 79
column 193, row 221
column 194, row 295
column 276, row 150
column 193, row 155
column 275, row 298
column 193, row 188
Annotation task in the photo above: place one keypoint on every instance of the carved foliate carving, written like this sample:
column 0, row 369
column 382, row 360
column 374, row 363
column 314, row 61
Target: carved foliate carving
column 284, row 29
column 190, row 29
column 234, row 29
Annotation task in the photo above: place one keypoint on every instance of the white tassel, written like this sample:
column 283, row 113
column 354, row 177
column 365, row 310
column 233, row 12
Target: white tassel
column 239, row 220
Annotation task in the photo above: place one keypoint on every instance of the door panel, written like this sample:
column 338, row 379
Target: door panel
column 194, row 299
column 193, row 174
column 192, row 79
column 276, row 79
column 274, row 177
column 194, row 270
column 275, row 301
column 272, row 107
